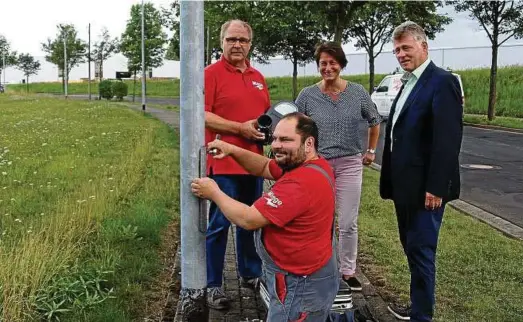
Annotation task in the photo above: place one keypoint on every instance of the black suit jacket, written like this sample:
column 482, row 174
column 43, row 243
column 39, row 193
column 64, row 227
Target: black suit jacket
column 426, row 142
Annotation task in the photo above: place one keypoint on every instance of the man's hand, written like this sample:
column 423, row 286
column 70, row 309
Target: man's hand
column 432, row 202
column 368, row 158
column 248, row 130
column 220, row 149
column 205, row 188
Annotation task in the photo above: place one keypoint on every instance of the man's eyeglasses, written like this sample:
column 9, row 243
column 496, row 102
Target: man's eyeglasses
column 233, row 40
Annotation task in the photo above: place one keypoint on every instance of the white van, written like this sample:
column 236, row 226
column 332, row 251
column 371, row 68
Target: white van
column 385, row 93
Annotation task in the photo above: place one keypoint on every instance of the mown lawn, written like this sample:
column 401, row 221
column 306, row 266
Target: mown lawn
column 479, row 271
column 86, row 192
column 508, row 122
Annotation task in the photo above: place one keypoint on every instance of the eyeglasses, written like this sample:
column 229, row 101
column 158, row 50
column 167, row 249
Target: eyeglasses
column 233, row 40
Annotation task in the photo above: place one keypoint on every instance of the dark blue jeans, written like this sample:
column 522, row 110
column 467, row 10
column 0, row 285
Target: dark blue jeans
column 419, row 231
column 246, row 189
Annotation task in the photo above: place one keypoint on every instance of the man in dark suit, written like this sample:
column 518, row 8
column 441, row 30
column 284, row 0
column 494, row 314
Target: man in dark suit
column 420, row 170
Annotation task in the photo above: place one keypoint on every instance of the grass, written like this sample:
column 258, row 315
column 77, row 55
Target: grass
column 509, row 88
column 479, row 271
column 159, row 88
column 86, row 190
column 508, row 122
column 475, row 83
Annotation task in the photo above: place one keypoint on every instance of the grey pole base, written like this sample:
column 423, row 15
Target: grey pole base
column 194, row 305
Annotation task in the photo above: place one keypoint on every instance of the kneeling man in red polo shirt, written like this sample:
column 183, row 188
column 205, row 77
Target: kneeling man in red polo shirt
column 293, row 221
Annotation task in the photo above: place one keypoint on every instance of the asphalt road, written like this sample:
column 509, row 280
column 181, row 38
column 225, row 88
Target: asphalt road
column 498, row 190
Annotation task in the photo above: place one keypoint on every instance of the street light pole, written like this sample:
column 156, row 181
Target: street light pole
column 192, row 163
column 65, row 65
column 89, row 63
column 143, row 59
column 3, row 68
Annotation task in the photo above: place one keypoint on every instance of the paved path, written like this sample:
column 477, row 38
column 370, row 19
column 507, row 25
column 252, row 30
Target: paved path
column 498, row 190
column 138, row 99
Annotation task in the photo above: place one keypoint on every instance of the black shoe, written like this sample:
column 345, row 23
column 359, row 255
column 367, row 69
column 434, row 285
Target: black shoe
column 216, row 298
column 401, row 312
column 353, row 283
column 252, row 283
column 363, row 314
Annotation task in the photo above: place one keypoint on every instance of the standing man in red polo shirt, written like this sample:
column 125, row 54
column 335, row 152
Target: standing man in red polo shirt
column 235, row 96
column 294, row 220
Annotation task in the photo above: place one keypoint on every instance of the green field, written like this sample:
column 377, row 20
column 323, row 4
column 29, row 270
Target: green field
column 479, row 271
column 86, row 193
column 475, row 83
column 163, row 88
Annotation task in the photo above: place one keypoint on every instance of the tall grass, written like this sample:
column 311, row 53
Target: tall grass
column 69, row 172
column 476, row 84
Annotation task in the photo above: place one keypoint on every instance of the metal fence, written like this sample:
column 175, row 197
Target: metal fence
column 456, row 58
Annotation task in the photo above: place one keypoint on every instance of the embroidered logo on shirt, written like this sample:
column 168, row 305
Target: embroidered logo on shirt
column 272, row 200
column 257, row 85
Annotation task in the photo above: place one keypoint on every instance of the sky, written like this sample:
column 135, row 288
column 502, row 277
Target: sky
column 28, row 23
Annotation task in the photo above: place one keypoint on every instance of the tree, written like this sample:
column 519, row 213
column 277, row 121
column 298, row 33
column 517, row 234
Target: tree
column 155, row 39
column 501, row 21
column 29, row 66
column 103, row 49
column 10, row 56
column 76, row 49
column 294, row 33
column 286, row 28
column 215, row 14
column 336, row 17
column 171, row 20
column 374, row 23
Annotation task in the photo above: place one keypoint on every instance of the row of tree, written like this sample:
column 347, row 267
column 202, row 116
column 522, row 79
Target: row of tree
column 292, row 28
column 24, row 62
column 79, row 51
column 281, row 28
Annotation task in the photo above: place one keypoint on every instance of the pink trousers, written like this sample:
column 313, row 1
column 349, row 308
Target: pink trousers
column 348, row 174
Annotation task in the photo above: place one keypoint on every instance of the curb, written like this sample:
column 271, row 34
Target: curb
column 494, row 127
column 504, row 226
column 373, row 300
column 177, row 274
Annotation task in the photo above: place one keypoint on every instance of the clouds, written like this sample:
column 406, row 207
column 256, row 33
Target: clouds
column 28, row 23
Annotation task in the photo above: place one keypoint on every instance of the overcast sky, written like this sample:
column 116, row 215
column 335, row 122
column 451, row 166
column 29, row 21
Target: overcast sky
column 28, row 23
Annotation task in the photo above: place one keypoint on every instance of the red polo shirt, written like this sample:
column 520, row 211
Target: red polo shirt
column 300, row 207
column 238, row 97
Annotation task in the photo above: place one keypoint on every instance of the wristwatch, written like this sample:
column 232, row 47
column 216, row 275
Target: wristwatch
column 371, row 151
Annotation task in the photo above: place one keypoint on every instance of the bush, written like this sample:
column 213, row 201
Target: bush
column 106, row 89
column 120, row 90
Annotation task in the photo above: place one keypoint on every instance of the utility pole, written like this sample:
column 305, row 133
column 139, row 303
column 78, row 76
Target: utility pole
column 143, row 58
column 192, row 161
column 66, row 78
column 3, row 69
column 89, row 62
